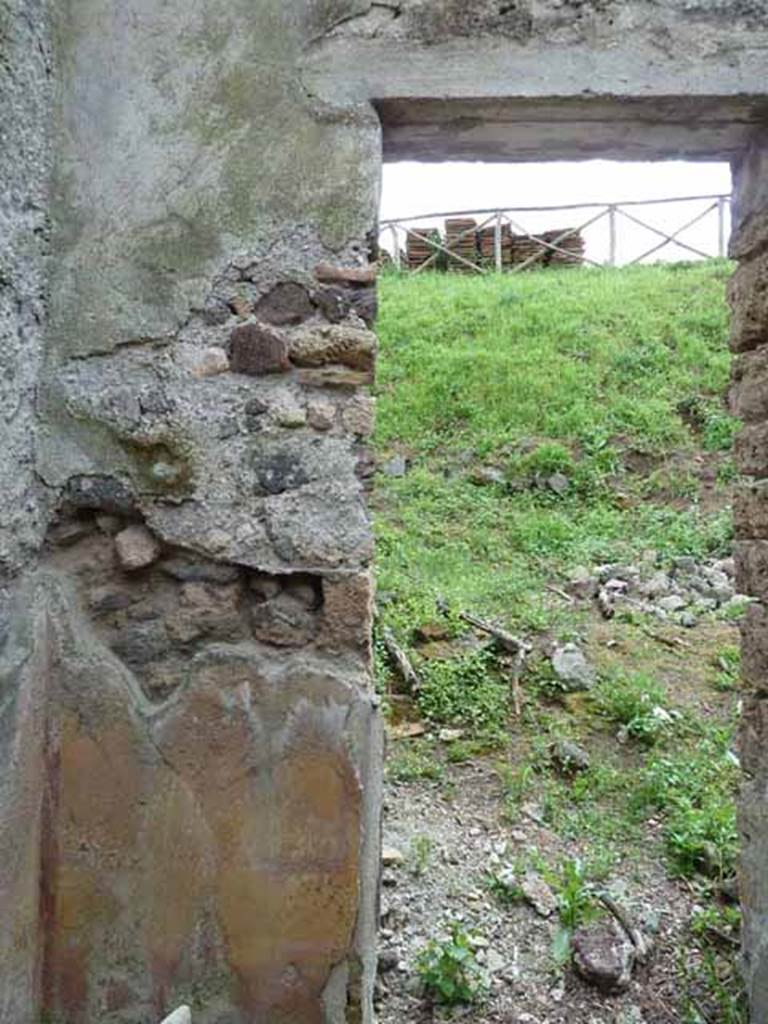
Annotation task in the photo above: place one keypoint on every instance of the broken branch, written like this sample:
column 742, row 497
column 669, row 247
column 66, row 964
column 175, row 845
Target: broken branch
column 509, row 642
column 400, row 661
column 512, row 644
column 635, row 936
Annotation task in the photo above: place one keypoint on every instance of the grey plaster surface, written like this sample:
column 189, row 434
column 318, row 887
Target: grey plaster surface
column 558, row 79
column 24, row 167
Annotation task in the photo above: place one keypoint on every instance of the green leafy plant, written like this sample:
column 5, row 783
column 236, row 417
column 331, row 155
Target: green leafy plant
column 502, row 881
column 728, row 660
column 576, row 905
column 516, row 782
column 414, row 760
column 711, row 969
column 696, row 790
column 420, row 853
column 635, row 702
column 449, row 970
column 720, row 429
column 734, row 610
column 466, row 691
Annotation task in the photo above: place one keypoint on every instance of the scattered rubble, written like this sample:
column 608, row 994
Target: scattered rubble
column 538, row 894
column 181, row 1016
column 392, row 857
column 572, row 669
column 683, row 593
column 604, row 956
column 569, row 757
column 396, row 467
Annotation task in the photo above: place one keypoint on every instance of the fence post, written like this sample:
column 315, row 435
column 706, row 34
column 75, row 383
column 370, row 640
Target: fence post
column 395, row 247
column 497, row 242
column 721, row 226
column 612, row 235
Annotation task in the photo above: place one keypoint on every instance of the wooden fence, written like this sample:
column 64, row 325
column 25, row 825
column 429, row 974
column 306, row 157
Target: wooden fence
column 477, row 245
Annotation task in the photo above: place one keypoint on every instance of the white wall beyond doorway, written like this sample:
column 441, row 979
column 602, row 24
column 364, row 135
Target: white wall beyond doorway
column 410, row 189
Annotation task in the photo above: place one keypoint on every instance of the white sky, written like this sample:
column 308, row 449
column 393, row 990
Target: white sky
column 410, row 189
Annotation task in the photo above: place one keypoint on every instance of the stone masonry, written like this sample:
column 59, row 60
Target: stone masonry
column 749, row 340
column 190, row 744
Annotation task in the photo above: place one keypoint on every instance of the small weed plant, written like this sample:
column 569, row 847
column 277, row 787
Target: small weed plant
column 728, row 661
column 420, row 854
column 466, row 691
column 413, row 761
column 576, row 905
column 696, row 790
column 449, row 970
column 636, row 703
column 711, row 971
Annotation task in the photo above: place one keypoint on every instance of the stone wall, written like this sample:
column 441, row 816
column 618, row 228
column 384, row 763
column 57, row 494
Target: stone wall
column 749, row 340
column 189, row 740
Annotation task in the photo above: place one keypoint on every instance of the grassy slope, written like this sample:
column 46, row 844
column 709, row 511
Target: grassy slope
column 615, row 378
column 596, row 364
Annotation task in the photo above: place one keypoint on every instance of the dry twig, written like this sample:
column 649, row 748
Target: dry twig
column 512, row 644
column 560, row 593
column 635, row 936
column 400, row 661
column 672, row 642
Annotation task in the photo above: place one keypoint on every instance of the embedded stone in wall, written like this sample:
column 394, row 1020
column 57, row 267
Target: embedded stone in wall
column 357, row 416
column 210, row 363
column 254, row 411
column 334, row 377
column 748, row 297
column 330, row 274
column 348, row 612
column 321, row 415
column 751, row 449
column 258, row 349
column 287, row 412
column 749, row 391
column 338, row 303
column 287, row 303
column 365, row 468
column 188, row 568
column 752, row 568
column 279, row 470
column 99, row 492
column 136, row 547
column 754, row 654
column 337, row 343
column 286, row 610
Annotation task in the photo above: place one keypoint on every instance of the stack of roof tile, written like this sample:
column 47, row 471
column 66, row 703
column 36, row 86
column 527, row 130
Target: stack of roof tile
column 419, row 247
column 486, row 241
column 461, row 239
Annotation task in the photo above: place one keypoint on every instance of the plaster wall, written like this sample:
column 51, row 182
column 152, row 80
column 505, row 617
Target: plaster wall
column 25, row 140
column 190, row 741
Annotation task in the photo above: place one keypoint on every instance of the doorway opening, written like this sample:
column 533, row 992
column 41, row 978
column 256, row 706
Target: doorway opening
column 557, row 634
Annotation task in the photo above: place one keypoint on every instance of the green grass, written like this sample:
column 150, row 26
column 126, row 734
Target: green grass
column 616, row 380
column 575, row 372
column 636, row 703
column 579, row 357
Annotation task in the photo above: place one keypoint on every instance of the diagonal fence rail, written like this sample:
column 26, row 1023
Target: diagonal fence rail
column 454, row 250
